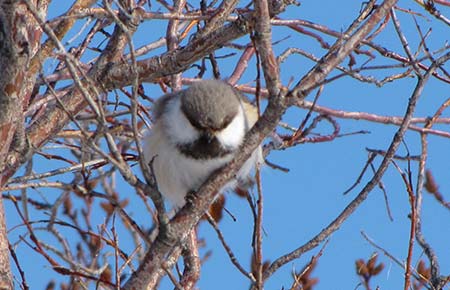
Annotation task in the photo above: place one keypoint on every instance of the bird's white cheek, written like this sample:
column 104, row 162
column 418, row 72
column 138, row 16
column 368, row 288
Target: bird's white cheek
column 178, row 126
column 234, row 133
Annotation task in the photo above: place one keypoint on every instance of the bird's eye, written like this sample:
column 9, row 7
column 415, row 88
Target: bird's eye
column 226, row 121
column 194, row 122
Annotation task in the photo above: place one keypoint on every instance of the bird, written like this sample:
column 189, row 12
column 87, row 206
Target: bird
column 196, row 131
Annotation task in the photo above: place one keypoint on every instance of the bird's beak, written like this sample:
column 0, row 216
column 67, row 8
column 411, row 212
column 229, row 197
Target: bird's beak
column 209, row 135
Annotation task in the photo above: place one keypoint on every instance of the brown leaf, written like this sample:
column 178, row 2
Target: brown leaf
column 106, row 275
column 67, row 205
column 361, row 268
column 91, row 184
column 377, row 269
column 430, row 183
column 241, row 192
column 371, row 263
column 216, row 209
column 51, row 285
column 253, row 268
column 95, row 242
column 425, row 273
column 303, row 279
column 107, row 207
column 124, row 203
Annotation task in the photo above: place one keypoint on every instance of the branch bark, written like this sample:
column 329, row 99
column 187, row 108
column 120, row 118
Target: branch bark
column 14, row 54
column 113, row 76
column 189, row 215
column 398, row 137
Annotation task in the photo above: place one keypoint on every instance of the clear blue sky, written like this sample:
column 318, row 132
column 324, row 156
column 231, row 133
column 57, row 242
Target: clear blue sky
column 300, row 203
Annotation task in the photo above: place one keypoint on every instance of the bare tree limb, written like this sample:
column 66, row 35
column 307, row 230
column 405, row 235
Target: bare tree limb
column 335, row 224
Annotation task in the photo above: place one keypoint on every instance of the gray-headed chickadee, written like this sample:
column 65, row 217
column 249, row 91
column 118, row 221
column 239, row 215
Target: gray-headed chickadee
column 195, row 132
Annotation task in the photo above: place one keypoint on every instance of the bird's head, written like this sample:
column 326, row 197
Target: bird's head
column 206, row 120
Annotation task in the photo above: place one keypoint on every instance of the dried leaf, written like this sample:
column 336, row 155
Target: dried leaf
column 241, row 192
column 361, row 268
column 107, row 207
column 430, row 183
column 106, row 275
column 216, row 209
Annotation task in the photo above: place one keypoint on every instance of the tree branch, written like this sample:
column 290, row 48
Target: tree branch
column 336, row 223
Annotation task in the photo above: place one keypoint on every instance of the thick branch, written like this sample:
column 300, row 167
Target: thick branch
column 113, row 76
column 180, row 226
column 13, row 56
column 189, row 215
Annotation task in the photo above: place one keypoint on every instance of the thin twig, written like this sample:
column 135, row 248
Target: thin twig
column 228, row 250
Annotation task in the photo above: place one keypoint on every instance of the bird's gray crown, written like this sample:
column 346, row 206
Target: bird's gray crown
column 210, row 104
